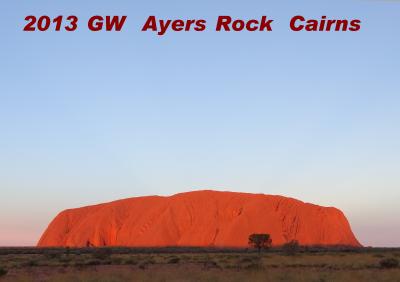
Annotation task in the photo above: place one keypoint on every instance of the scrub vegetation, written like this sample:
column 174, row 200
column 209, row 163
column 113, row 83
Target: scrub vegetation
column 289, row 263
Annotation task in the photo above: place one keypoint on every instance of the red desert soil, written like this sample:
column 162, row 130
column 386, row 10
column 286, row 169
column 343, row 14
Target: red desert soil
column 200, row 218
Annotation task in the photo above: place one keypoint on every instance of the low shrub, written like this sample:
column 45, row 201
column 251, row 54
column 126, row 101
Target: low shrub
column 253, row 266
column 93, row 262
column 30, row 263
column 211, row 264
column 291, row 248
column 389, row 263
column 102, row 253
column 173, row 260
column 52, row 255
column 378, row 256
column 250, row 263
column 150, row 261
column 3, row 271
column 131, row 261
column 246, row 260
column 79, row 264
column 65, row 259
column 116, row 260
column 230, row 266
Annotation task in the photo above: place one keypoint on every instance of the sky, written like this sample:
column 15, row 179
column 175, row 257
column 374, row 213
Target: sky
column 91, row 117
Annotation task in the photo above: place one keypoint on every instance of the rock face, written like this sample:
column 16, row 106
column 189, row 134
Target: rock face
column 201, row 218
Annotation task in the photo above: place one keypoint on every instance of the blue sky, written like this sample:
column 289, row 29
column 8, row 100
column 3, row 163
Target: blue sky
column 90, row 117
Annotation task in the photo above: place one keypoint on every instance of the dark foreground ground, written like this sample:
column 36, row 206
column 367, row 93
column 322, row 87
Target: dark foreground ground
column 188, row 264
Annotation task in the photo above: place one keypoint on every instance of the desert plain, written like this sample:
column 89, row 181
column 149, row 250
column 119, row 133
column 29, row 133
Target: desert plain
column 199, row 264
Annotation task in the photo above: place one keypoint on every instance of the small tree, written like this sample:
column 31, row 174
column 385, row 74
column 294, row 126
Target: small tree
column 260, row 241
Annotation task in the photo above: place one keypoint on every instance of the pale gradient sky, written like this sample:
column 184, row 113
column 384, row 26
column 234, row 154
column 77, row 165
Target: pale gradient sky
column 93, row 117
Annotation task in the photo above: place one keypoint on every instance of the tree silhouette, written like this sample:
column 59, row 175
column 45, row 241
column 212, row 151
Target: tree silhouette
column 260, row 241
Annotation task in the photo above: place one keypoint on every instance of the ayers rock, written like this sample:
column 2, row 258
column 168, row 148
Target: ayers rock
column 200, row 218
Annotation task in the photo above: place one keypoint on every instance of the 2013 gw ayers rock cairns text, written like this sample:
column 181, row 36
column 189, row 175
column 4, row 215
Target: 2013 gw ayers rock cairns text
column 201, row 218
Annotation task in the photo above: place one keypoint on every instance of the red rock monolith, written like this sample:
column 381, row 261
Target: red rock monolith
column 200, row 218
